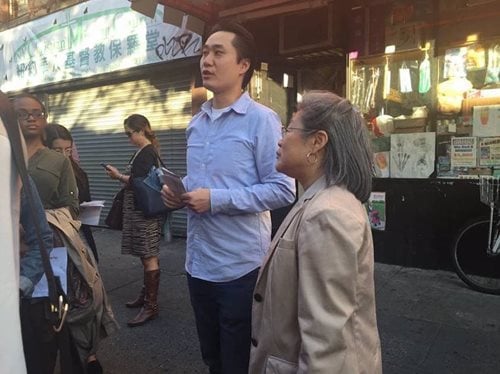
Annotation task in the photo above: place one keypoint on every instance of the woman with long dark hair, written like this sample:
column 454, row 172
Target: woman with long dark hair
column 60, row 140
column 140, row 235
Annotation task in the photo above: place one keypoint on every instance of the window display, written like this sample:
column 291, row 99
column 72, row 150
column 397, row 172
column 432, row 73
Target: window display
column 449, row 104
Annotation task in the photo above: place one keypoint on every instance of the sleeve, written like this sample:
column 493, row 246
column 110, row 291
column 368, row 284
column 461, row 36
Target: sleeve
column 275, row 189
column 31, row 263
column 328, row 244
column 143, row 162
column 68, row 190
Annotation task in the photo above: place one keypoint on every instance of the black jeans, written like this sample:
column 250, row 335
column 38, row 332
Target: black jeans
column 41, row 343
column 223, row 314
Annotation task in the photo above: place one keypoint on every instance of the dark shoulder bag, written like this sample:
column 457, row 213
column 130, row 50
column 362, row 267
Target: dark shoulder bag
column 114, row 219
column 147, row 193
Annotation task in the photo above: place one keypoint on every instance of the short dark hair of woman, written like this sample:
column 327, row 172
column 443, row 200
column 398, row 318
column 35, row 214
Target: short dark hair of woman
column 243, row 42
column 348, row 155
column 27, row 95
column 55, row 131
column 138, row 122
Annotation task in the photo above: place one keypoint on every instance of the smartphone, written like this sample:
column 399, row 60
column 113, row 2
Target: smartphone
column 104, row 165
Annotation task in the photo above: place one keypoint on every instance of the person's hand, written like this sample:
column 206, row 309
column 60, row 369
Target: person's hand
column 113, row 172
column 170, row 199
column 197, row 200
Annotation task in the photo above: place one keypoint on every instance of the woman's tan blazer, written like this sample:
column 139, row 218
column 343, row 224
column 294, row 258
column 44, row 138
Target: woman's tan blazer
column 314, row 302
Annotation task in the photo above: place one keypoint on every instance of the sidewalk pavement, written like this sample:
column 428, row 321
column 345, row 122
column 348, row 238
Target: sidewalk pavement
column 429, row 321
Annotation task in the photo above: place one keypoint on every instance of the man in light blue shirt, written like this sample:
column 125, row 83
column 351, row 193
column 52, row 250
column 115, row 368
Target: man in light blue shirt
column 232, row 185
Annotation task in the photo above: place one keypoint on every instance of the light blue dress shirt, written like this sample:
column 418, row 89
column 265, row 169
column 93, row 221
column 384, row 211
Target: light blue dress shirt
column 234, row 156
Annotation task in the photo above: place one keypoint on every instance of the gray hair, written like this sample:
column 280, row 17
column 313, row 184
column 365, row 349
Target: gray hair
column 348, row 155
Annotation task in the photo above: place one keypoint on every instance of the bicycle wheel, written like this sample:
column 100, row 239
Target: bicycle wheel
column 473, row 264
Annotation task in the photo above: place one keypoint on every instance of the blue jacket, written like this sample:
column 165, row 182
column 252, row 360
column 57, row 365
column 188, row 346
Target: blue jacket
column 31, row 263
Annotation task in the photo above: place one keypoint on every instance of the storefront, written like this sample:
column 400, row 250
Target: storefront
column 432, row 101
column 94, row 64
column 418, row 100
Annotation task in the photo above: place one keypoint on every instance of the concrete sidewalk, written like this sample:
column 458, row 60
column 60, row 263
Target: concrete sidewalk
column 429, row 322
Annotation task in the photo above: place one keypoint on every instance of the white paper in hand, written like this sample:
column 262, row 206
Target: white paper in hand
column 173, row 182
column 59, row 262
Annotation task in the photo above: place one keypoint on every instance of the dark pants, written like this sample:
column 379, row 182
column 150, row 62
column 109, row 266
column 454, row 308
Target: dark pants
column 223, row 314
column 39, row 339
column 41, row 343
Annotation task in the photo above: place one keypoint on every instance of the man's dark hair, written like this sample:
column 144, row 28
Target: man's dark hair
column 243, row 42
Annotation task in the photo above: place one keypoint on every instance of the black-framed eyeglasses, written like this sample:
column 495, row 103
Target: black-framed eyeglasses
column 24, row 114
column 286, row 130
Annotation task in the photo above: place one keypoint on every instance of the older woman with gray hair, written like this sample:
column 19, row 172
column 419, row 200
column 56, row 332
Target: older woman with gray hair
column 314, row 301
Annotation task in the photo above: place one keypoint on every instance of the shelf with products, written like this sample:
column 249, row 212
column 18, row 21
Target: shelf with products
column 431, row 116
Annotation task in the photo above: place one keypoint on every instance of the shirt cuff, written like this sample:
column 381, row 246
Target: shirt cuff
column 219, row 200
column 26, row 286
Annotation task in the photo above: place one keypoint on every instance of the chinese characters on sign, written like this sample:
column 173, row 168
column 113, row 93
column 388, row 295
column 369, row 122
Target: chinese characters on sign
column 91, row 38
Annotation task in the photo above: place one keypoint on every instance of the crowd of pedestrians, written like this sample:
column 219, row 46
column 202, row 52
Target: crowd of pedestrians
column 302, row 301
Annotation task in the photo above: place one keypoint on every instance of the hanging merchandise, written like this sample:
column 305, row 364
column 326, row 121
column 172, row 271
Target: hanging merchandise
column 405, row 79
column 369, row 102
column 387, row 79
column 358, row 87
column 424, row 77
column 493, row 69
column 357, row 82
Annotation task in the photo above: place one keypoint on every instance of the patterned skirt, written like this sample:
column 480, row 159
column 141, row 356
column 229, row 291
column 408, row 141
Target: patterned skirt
column 140, row 235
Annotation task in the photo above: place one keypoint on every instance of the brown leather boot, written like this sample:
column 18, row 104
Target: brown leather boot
column 149, row 310
column 139, row 301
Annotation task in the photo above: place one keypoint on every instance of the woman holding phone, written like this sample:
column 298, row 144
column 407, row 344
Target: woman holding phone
column 140, row 235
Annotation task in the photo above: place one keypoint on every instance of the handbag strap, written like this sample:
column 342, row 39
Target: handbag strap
column 9, row 119
column 158, row 156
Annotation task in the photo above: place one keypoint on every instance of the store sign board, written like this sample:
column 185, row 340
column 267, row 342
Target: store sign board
column 489, row 151
column 463, row 152
column 91, row 38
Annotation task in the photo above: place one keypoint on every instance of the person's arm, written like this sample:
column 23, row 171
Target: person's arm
column 68, row 191
column 275, row 190
column 31, row 263
column 329, row 240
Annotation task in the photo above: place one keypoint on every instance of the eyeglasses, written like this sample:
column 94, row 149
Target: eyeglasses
column 129, row 133
column 36, row 114
column 286, row 130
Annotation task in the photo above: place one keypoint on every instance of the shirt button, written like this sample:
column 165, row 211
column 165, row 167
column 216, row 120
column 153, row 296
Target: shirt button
column 257, row 297
column 254, row 342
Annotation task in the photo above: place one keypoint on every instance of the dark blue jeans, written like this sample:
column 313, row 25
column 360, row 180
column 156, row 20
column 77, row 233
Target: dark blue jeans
column 223, row 313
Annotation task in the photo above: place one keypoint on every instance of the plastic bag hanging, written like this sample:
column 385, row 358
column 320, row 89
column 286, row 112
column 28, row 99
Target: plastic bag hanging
column 493, row 69
column 387, row 80
column 404, row 79
column 424, row 76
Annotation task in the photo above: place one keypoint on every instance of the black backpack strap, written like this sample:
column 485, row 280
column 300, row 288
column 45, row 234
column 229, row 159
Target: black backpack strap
column 9, row 120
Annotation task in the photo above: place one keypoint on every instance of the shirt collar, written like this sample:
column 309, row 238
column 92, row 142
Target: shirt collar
column 318, row 185
column 240, row 106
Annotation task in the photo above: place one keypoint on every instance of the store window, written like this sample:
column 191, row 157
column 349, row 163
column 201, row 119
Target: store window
column 432, row 114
